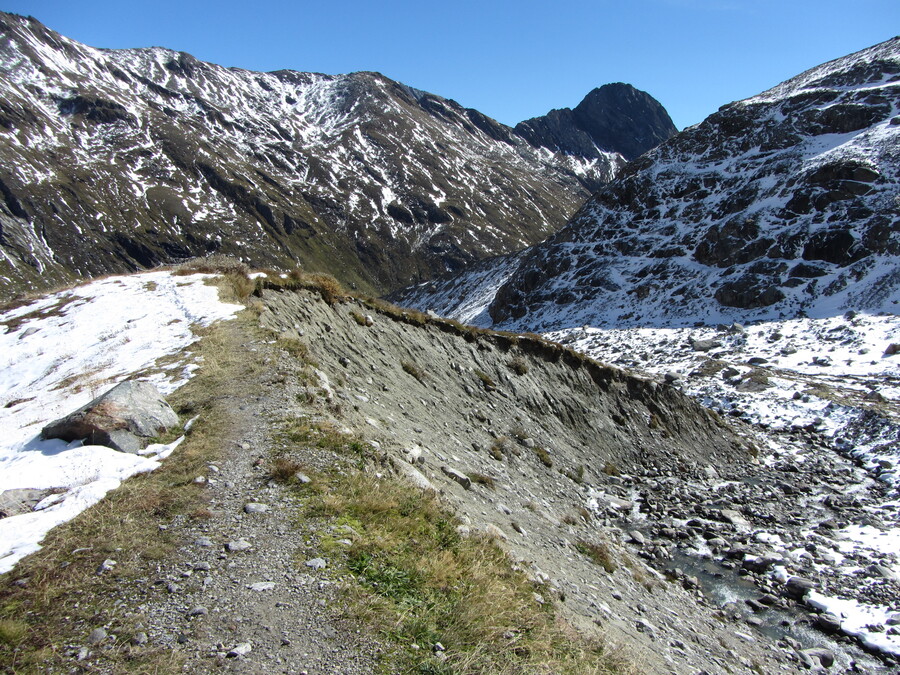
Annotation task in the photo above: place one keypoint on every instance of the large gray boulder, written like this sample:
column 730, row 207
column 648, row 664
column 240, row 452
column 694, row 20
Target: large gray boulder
column 123, row 418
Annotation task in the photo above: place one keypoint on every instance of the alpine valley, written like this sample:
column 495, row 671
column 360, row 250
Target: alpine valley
column 635, row 408
column 119, row 160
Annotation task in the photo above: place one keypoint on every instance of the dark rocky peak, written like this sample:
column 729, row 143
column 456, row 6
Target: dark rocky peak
column 612, row 118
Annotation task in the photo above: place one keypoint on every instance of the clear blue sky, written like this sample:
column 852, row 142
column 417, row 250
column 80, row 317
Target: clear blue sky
column 509, row 59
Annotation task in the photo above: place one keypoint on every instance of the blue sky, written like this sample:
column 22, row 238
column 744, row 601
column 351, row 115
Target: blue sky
column 509, row 59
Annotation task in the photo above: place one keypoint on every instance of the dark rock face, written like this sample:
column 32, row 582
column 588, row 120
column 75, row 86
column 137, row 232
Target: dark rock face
column 613, row 118
column 151, row 155
column 781, row 204
column 123, row 418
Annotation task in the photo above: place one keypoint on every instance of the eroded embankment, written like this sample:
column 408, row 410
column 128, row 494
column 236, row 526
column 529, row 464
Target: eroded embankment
column 546, row 438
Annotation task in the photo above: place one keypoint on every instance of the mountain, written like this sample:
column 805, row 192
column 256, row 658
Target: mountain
column 613, row 118
column 780, row 205
column 114, row 160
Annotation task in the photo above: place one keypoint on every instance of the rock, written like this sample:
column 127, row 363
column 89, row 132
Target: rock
column 414, row 476
column 316, row 563
column 637, row 537
column 892, row 349
column 672, row 378
column 198, row 611
column 206, row 542
column 254, row 507
column 106, row 566
column 241, row 649
column 123, row 418
column 20, row 500
column 828, row 623
column 704, row 345
column 883, row 572
column 798, row 587
column 139, row 639
column 302, row 478
column 494, row 532
column 238, row 545
column 820, row 655
column 458, row 476
column 28, row 332
column 97, row 636
column 735, row 518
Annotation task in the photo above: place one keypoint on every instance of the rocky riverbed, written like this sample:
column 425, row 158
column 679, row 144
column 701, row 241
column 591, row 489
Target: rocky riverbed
column 820, row 500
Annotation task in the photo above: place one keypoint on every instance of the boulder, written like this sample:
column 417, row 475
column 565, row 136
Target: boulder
column 122, row 419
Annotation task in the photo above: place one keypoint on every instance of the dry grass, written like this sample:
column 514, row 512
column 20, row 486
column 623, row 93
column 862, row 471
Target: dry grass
column 212, row 264
column 284, row 469
column 598, row 553
column 482, row 479
column 543, row 455
column 518, row 365
column 486, row 381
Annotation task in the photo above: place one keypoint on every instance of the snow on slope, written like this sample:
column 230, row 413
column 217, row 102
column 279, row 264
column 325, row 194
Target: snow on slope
column 58, row 353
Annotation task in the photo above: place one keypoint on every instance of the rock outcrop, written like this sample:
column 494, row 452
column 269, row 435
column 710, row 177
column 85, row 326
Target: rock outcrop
column 612, row 118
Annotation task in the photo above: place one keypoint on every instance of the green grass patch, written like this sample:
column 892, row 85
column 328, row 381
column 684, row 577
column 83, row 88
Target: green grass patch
column 421, row 582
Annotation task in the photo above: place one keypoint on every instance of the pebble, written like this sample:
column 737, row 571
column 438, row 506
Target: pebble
column 241, row 649
column 262, row 586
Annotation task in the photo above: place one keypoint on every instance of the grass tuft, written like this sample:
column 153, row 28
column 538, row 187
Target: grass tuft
column 543, row 455
column 414, row 370
column 599, row 554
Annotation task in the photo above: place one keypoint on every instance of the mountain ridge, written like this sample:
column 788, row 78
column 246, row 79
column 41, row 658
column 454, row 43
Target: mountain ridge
column 116, row 160
column 779, row 205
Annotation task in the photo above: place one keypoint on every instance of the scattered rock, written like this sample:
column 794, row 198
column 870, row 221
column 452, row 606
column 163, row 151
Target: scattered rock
column 262, row 586
column 241, row 649
column 238, row 545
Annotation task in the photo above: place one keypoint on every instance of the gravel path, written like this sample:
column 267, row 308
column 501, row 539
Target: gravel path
column 246, row 592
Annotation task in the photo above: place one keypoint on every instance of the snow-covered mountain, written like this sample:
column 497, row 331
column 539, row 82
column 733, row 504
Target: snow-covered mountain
column 784, row 204
column 114, row 160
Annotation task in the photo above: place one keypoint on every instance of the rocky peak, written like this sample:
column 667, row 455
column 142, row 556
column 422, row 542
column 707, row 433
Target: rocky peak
column 777, row 206
column 612, row 118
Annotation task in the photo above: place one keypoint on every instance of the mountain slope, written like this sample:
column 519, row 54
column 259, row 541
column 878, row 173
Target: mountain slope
column 119, row 159
column 775, row 206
